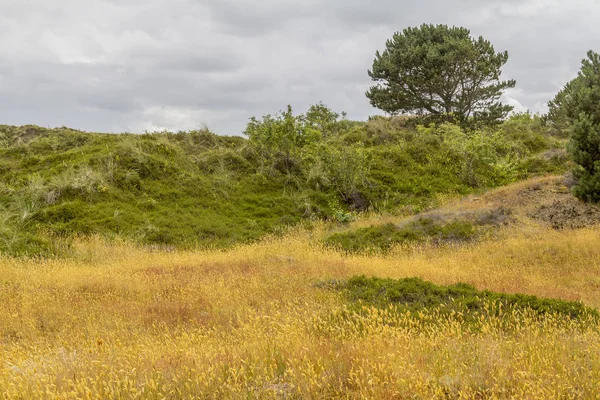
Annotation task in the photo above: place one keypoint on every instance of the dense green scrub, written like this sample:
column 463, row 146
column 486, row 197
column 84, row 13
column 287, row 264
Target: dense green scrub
column 415, row 295
column 191, row 189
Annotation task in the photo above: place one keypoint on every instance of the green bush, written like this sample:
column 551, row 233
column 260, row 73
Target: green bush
column 526, row 133
column 347, row 170
column 279, row 139
column 416, row 295
column 381, row 238
column 484, row 158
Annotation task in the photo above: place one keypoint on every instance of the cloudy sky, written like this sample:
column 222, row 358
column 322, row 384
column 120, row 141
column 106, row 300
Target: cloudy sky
column 135, row 65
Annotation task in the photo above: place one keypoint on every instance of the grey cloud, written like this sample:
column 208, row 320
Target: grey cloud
column 260, row 17
column 200, row 63
column 108, row 65
column 113, row 101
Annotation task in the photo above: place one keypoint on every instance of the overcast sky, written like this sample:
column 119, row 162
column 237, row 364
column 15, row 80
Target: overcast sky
column 135, row 65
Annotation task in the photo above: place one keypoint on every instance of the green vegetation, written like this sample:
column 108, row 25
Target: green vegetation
column 381, row 238
column 575, row 108
column 182, row 189
column 441, row 72
column 416, row 295
column 198, row 189
column 433, row 228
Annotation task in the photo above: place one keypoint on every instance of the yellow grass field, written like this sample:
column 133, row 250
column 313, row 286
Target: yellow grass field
column 117, row 322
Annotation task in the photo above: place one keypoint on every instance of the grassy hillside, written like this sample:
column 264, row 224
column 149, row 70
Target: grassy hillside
column 285, row 318
column 545, row 200
column 198, row 189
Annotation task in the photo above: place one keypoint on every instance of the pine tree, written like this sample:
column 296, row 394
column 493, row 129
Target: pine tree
column 581, row 106
column 441, row 72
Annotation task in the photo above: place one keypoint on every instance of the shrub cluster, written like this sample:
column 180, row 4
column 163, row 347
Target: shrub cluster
column 416, row 295
column 382, row 238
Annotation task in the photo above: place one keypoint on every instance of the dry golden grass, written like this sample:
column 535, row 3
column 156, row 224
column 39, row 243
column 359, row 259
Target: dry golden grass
column 117, row 321
column 120, row 322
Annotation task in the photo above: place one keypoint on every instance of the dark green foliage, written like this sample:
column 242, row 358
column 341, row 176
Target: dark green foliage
column 558, row 116
column 585, row 151
column 441, row 72
column 577, row 107
column 580, row 95
column 415, row 295
column 381, row 238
